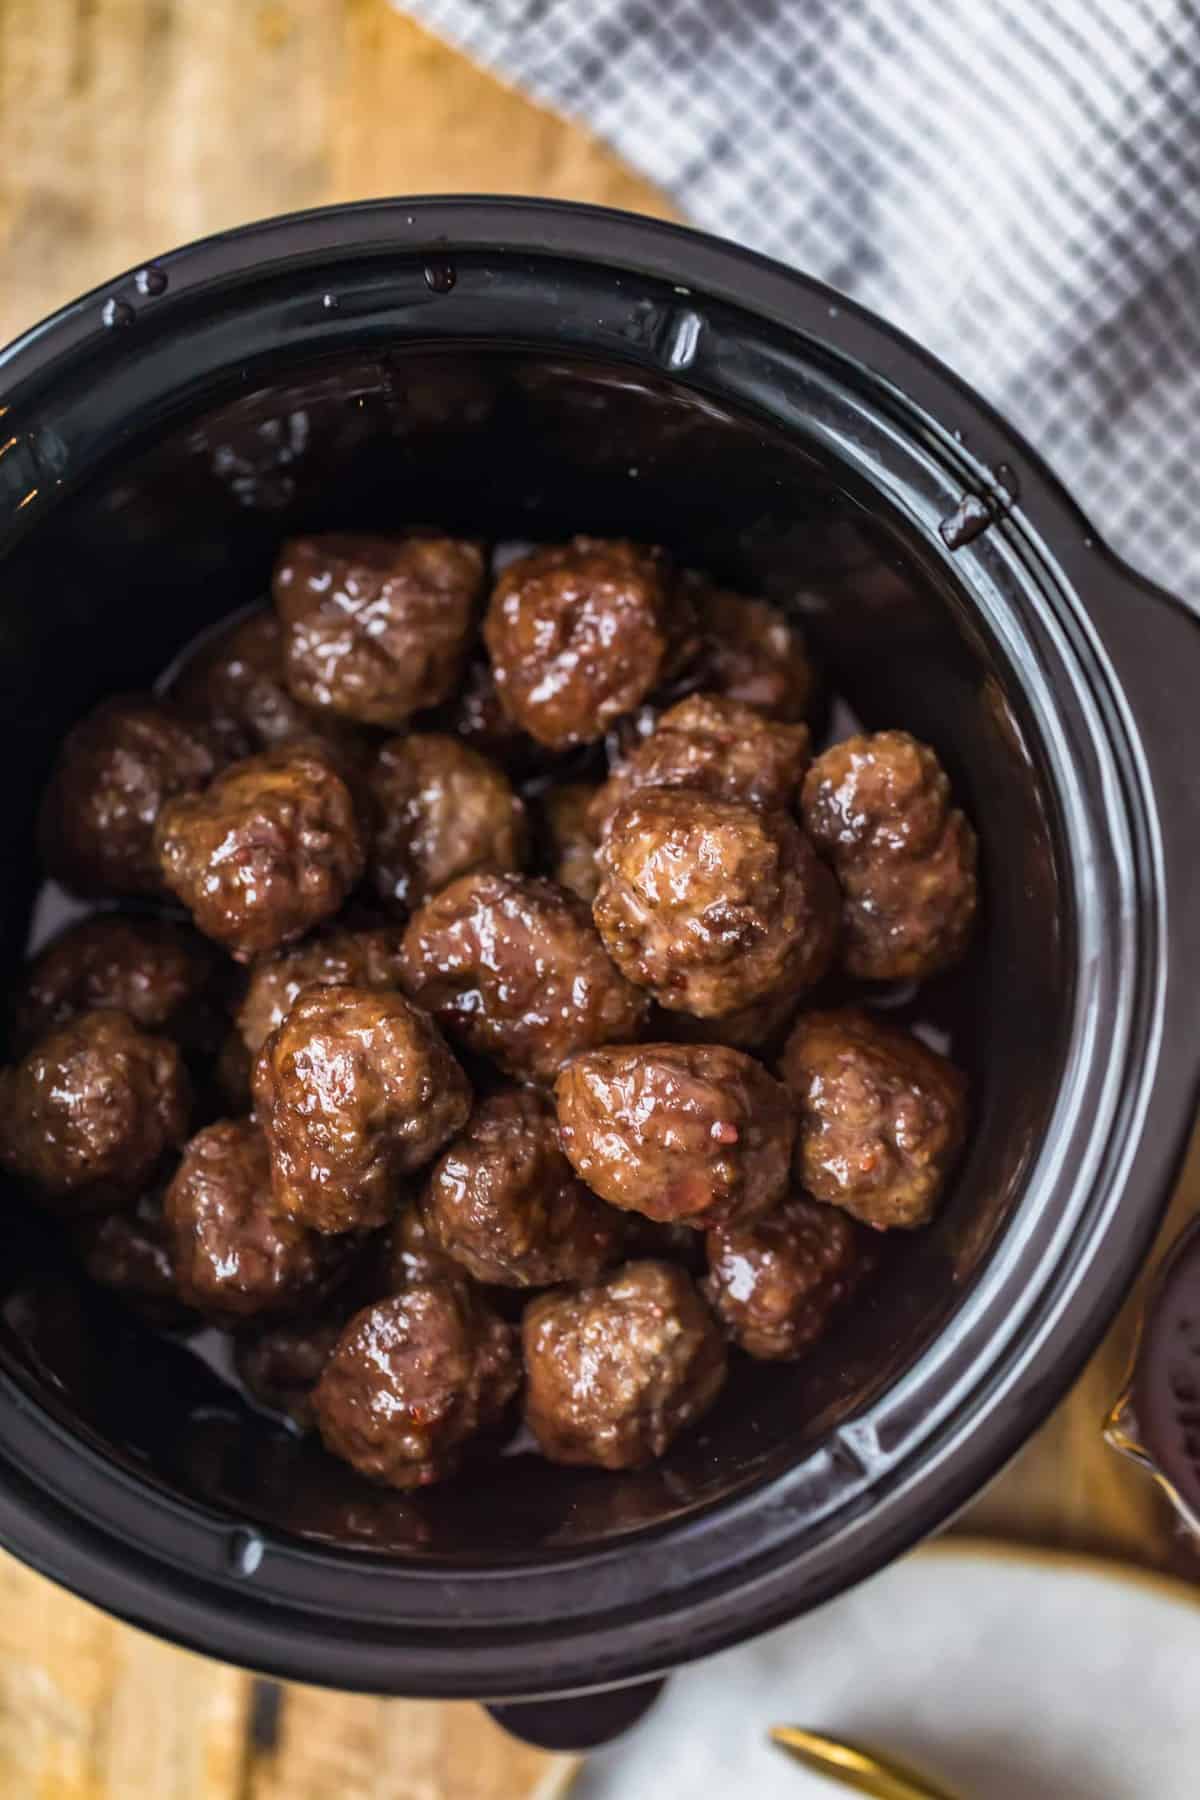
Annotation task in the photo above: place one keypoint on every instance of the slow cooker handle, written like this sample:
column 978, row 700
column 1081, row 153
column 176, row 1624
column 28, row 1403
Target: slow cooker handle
column 581, row 1722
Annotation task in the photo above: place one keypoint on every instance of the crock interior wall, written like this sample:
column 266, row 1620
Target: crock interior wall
column 116, row 578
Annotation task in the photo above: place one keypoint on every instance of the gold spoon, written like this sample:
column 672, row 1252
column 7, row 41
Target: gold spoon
column 884, row 1779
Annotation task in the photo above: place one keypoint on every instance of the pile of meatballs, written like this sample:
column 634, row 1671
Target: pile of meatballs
column 450, row 1028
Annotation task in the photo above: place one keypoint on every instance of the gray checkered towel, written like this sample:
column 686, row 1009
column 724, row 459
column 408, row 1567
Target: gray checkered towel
column 1014, row 182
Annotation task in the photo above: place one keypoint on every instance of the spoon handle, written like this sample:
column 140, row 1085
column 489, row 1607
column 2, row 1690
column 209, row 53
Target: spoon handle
column 882, row 1778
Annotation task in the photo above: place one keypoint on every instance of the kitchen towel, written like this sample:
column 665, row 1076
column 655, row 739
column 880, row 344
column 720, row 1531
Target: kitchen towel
column 1017, row 185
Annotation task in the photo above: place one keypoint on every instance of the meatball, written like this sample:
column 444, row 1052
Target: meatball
column 354, row 1090
column 778, row 1282
column 115, row 772
column 338, row 956
column 282, row 1364
column 232, row 1255
column 130, row 1254
column 234, row 686
column 753, row 653
column 711, row 904
column 91, row 1112
column 376, row 628
column 691, row 1132
column 159, row 973
column 713, row 746
column 570, row 845
column 270, row 850
column 578, row 634
column 505, row 1203
column 880, row 1118
column 441, row 810
column 231, row 1076
column 879, row 809
column 412, row 1379
column 616, row 1371
column 512, row 967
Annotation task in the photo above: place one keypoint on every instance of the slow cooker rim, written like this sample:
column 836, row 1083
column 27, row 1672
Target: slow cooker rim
column 766, row 1610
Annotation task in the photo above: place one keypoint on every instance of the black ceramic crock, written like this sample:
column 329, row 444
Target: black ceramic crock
column 525, row 369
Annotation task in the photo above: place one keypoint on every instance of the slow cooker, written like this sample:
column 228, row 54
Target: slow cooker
column 523, row 370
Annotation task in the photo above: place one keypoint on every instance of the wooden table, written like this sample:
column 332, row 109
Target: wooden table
column 128, row 126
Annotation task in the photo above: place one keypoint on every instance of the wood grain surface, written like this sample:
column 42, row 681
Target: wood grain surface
column 127, row 127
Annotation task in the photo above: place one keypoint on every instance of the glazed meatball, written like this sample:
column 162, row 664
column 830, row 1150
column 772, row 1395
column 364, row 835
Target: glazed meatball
column 337, row 957
column 691, row 1132
column 354, row 1090
column 513, row 969
column 413, row 1379
column 754, row 654
column 570, row 845
column 235, row 687
column 271, row 849
column 505, row 1203
column 376, row 628
column 91, row 1112
column 115, row 773
column 713, row 746
column 282, row 1364
column 778, row 1282
column 441, row 810
column 712, row 904
column 879, row 809
column 232, row 1255
column 616, row 1371
column 161, row 974
column 880, row 1118
column 577, row 635
column 130, row 1254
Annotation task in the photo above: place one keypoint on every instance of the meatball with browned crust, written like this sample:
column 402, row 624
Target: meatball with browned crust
column 441, row 810
column 93, row 1109
column 233, row 1255
column 880, row 1118
column 616, row 1371
column 339, row 956
column 129, row 1253
column 164, row 976
column 505, row 1203
column 713, row 746
column 354, row 1090
column 282, row 1364
column 115, row 773
column 879, row 809
column 753, row 653
column 413, row 1379
column 376, row 628
column 695, row 1133
column 570, row 848
column 578, row 634
column 777, row 1283
column 234, row 686
column 271, row 849
column 711, row 904
column 513, row 968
